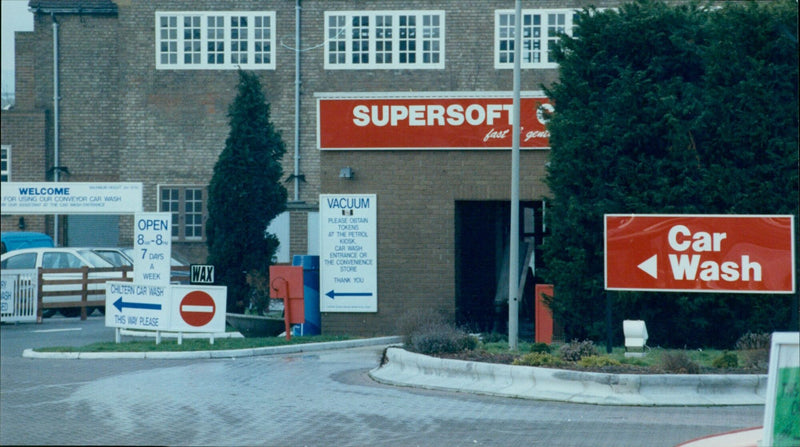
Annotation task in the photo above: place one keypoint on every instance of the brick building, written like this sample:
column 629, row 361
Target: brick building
column 143, row 90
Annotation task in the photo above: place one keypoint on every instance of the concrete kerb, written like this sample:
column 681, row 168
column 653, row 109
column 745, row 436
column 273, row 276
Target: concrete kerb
column 404, row 368
column 225, row 353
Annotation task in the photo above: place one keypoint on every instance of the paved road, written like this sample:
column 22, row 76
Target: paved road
column 319, row 399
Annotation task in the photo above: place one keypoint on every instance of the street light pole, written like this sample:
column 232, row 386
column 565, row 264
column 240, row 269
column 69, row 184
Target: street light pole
column 513, row 261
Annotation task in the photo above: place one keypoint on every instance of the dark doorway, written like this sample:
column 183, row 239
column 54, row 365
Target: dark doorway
column 481, row 264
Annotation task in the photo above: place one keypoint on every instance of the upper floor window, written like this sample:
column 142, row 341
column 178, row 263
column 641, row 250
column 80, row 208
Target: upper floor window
column 384, row 39
column 213, row 40
column 540, row 32
column 5, row 163
column 187, row 206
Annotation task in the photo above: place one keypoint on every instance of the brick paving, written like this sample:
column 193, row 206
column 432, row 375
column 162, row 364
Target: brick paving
column 319, row 399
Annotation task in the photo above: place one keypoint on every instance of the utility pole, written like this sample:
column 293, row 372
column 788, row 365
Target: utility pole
column 513, row 262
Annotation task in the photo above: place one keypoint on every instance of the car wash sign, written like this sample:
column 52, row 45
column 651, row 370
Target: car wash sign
column 435, row 120
column 348, row 253
column 697, row 253
column 71, row 198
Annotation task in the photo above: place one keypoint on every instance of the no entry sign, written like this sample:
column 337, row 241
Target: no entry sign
column 697, row 253
column 198, row 308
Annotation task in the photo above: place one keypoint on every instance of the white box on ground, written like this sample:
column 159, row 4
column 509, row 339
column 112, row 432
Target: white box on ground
column 198, row 308
column 137, row 306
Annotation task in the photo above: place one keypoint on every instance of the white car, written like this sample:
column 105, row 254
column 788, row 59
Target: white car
column 61, row 258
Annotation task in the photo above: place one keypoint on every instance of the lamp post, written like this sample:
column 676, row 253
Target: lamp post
column 513, row 262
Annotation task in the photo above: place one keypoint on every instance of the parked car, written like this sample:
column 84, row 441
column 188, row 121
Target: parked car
column 115, row 256
column 15, row 240
column 61, row 258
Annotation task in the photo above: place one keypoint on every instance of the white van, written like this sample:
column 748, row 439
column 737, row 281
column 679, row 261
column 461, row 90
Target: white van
column 61, row 258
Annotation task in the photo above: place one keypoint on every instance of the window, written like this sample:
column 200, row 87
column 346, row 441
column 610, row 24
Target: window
column 5, row 163
column 384, row 40
column 24, row 261
column 187, row 205
column 215, row 40
column 540, row 32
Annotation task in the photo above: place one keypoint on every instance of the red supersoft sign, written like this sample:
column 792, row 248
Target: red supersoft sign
column 429, row 121
column 697, row 253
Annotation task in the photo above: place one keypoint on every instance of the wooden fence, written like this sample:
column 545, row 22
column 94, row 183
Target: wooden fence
column 92, row 290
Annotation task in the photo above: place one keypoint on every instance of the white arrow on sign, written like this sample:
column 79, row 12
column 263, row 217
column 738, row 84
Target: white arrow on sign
column 650, row 266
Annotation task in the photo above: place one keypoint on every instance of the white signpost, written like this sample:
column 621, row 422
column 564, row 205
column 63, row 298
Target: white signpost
column 348, row 253
column 71, row 198
column 8, row 290
column 137, row 306
column 782, row 409
column 198, row 308
column 152, row 248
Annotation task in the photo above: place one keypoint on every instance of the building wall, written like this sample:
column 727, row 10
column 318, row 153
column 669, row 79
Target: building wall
column 124, row 120
column 25, row 133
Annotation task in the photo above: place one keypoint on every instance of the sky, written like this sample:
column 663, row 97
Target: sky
column 15, row 17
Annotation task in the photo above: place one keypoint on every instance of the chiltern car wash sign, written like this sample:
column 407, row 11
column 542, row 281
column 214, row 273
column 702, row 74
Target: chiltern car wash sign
column 433, row 120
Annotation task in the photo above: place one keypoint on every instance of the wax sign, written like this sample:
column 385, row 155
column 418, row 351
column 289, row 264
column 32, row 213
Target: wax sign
column 695, row 253
column 430, row 120
column 348, row 253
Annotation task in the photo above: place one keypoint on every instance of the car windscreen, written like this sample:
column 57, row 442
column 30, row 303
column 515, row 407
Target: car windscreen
column 94, row 259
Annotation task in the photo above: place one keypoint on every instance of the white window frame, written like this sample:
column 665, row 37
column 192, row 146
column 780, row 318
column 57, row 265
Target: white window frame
column 533, row 43
column 5, row 161
column 180, row 223
column 170, row 40
column 428, row 40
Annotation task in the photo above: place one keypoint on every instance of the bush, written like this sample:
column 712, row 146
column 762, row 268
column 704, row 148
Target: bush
column 678, row 362
column 754, row 349
column 595, row 361
column 538, row 359
column 442, row 339
column 726, row 360
column 495, row 337
column 417, row 321
column 427, row 332
column 540, row 347
column 576, row 350
column 751, row 341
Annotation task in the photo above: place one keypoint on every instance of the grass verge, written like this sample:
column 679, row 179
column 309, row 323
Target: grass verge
column 194, row 344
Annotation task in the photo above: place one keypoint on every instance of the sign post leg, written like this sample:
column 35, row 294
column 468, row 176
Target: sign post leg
column 609, row 329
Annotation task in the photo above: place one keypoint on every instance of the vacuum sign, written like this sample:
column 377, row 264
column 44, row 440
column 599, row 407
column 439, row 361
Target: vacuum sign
column 430, row 121
column 348, row 253
column 748, row 254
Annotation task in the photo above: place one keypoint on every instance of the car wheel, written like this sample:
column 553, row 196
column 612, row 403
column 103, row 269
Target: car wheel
column 47, row 313
column 100, row 310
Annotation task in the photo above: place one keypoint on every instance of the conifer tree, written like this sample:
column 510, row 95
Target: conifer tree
column 245, row 194
column 666, row 109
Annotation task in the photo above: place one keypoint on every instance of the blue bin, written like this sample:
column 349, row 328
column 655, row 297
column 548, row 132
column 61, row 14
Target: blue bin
column 313, row 320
